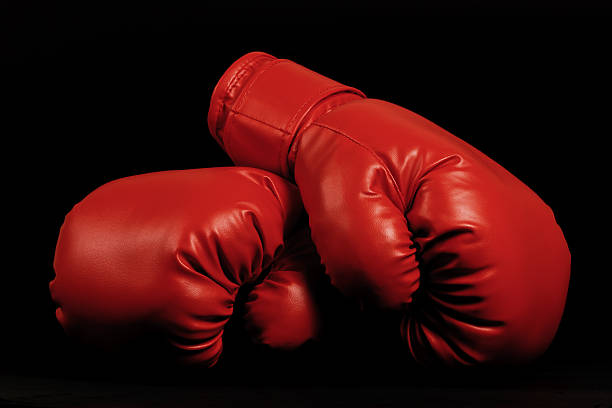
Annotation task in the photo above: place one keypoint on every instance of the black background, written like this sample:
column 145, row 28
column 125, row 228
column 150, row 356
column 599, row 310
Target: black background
column 97, row 92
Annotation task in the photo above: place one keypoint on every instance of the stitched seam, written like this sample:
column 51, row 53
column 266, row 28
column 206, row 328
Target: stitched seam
column 232, row 121
column 310, row 101
column 240, row 101
column 242, row 71
column 378, row 159
column 233, row 83
column 300, row 113
column 258, row 120
column 243, row 96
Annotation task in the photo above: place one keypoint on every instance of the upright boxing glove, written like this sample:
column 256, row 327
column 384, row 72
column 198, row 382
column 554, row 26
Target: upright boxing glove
column 166, row 253
column 404, row 215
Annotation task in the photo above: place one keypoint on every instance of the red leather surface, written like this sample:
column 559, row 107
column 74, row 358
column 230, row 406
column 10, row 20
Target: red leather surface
column 167, row 252
column 282, row 311
column 405, row 215
column 273, row 116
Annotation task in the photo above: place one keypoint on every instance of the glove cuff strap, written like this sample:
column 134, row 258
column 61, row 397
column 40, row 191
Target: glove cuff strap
column 259, row 105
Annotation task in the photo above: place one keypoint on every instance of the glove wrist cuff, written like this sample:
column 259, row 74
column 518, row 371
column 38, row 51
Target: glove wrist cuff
column 261, row 103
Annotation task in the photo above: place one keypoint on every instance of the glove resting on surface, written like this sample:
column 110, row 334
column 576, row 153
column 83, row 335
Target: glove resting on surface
column 167, row 253
column 404, row 215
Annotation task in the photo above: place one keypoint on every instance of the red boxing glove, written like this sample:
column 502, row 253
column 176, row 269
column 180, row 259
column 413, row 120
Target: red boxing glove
column 167, row 253
column 404, row 215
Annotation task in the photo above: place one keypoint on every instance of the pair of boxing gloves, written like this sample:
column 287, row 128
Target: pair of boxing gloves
column 405, row 217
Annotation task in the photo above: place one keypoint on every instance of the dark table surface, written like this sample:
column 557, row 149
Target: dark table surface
column 546, row 385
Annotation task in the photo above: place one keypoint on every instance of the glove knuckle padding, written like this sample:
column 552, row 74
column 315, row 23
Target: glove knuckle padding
column 374, row 229
column 169, row 251
column 282, row 311
column 287, row 326
column 467, row 231
column 409, row 217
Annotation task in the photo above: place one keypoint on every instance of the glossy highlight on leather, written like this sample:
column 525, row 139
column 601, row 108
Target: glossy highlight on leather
column 404, row 215
column 167, row 253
